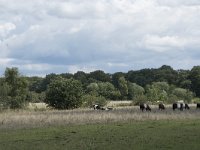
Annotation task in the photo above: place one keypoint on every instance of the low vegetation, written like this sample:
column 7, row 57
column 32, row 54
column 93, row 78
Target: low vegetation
column 43, row 118
column 127, row 127
column 140, row 135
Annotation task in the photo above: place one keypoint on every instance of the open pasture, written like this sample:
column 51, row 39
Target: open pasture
column 46, row 118
column 123, row 128
column 137, row 135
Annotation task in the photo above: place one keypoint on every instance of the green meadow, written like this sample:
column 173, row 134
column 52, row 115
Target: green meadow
column 133, row 135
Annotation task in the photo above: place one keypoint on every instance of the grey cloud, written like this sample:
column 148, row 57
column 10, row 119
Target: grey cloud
column 115, row 35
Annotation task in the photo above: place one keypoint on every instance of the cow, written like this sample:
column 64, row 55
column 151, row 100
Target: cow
column 145, row 107
column 96, row 107
column 198, row 105
column 187, row 106
column 109, row 108
column 161, row 106
column 180, row 106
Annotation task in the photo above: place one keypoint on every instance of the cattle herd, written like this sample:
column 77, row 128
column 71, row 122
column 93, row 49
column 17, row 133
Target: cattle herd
column 145, row 107
column 178, row 105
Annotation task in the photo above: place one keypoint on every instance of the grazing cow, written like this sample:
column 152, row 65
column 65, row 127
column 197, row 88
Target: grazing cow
column 145, row 107
column 96, row 107
column 161, row 106
column 198, row 105
column 187, row 106
column 180, row 106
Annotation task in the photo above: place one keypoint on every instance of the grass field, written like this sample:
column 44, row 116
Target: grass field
column 85, row 129
column 136, row 135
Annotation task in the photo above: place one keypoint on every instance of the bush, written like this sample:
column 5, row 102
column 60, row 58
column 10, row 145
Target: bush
column 64, row 93
column 36, row 97
column 139, row 99
column 196, row 100
column 90, row 100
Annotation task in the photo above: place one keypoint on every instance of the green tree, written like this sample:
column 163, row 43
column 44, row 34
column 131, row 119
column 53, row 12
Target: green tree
column 166, row 74
column 123, row 87
column 82, row 77
column 18, row 88
column 4, row 94
column 107, row 90
column 141, row 77
column 100, row 75
column 89, row 100
column 35, row 84
column 93, row 89
column 182, row 94
column 195, row 79
column 157, row 91
column 183, row 80
column 135, row 91
column 35, row 97
column 115, row 78
column 64, row 93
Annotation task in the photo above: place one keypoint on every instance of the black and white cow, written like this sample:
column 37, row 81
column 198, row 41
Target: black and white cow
column 161, row 106
column 198, row 105
column 96, row 107
column 145, row 107
column 180, row 106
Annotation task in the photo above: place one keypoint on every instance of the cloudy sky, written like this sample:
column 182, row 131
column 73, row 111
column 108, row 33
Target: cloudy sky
column 45, row 36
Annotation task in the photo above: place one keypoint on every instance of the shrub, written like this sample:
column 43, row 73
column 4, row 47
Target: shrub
column 64, row 93
column 89, row 100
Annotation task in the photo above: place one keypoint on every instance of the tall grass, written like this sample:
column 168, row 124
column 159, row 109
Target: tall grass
column 31, row 119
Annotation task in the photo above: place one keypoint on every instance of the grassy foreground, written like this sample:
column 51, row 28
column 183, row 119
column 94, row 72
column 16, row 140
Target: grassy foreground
column 162, row 134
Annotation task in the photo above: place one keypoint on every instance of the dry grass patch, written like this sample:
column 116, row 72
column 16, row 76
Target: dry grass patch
column 31, row 119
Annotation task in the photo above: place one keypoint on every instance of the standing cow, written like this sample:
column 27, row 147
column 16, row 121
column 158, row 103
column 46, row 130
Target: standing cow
column 161, row 106
column 180, row 106
column 198, row 105
column 145, row 107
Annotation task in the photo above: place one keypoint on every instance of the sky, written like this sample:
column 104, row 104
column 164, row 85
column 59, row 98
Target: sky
column 58, row 36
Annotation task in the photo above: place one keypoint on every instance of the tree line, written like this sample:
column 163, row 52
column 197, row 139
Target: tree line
column 66, row 90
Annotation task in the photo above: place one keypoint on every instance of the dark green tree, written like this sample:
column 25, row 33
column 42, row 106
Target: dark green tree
column 195, row 79
column 141, row 77
column 47, row 80
column 115, row 78
column 64, row 93
column 183, row 80
column 35, row 84
column 4, row 94
column 82, row 77
column 166, row 74
column 100, row 75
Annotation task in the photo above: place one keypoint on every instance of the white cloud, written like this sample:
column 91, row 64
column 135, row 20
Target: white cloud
column 117, row 64
column 5, row 61
column 5, row 29
column 162, row 44
column 112, row 35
